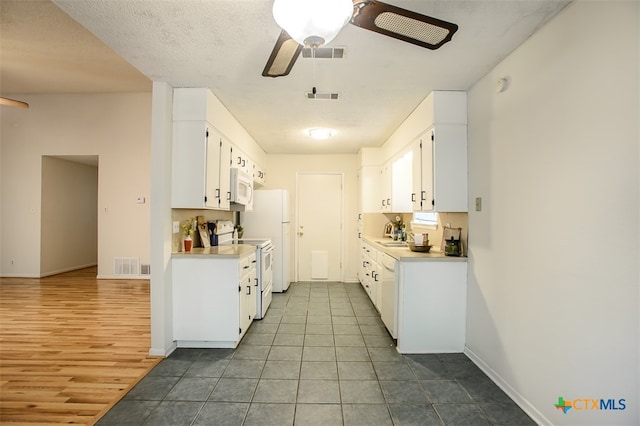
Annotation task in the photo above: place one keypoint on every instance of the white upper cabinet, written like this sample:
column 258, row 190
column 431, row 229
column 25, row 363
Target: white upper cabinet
column 442, row 163
column 401, row 181
column 437, row 132
column 206, row 144
column 369, row 182
column 195, row 160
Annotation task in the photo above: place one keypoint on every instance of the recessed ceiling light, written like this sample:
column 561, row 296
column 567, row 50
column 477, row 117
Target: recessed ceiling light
column 320, row 133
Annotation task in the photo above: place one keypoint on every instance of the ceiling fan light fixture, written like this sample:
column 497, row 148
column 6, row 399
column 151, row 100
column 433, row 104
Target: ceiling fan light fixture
column 320, row 133
column 313, row 22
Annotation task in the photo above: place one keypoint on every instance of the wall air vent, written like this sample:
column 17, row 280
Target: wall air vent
column 324, row 52
column 322, row 96
column 126, row 266
column 145, row 269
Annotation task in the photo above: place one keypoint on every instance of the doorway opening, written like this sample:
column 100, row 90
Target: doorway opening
column 69, row 213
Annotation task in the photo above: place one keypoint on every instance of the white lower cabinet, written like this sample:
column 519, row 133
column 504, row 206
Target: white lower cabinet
column 432, row 300
column 214, row 300
column 370, row 273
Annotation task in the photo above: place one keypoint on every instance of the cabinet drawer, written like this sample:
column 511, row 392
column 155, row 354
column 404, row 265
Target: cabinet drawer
column 247, row 264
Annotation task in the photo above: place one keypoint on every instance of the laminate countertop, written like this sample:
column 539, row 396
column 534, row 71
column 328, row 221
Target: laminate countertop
column 230, row 250
column 405, row 254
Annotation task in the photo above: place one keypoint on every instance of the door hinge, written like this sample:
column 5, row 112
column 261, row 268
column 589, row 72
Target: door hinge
column 239, row 330
column 205, row 198
column 206, row 133
column 220, row 142
column 420, row 143
column 433, row 136
column 239, row 289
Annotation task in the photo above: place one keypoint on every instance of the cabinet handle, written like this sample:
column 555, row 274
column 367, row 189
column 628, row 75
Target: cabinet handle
column 239, row 160
column 383, row 203
column 245, row 267
column 228, row 196
column 256, row 284
column 248, row 290
column 217, row 193
column 413, row 197
column 243, row 163
column 388, row 201
column 375, row 276
column 423, row 196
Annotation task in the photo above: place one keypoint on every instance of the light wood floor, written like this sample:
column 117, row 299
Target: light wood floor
column 70, row 346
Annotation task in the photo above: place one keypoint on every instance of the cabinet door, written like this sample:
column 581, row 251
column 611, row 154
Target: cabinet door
column 385, row 186
column 252, row 301
column 370, row 189
column 426, row 192
column 213, row 189
column 225, row 174
column 416, row 181
column 401, row 183
column 449, row 167
column 245, row 319
column 189, row 161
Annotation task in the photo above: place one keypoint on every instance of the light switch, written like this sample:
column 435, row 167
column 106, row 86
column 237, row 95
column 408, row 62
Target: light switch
column 140, row 200
column 478, row 204
column 176, row 227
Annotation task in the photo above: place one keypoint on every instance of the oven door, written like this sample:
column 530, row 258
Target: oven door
column 266, row 271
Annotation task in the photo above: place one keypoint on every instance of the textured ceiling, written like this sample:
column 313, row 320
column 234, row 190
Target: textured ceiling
column 43, row 50
column 224, row 45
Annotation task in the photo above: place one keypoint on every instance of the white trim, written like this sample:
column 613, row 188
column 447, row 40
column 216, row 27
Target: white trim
column 162, row 351
column 123, row 277
column 520, row 400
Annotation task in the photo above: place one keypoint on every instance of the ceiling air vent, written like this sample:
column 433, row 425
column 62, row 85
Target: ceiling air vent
column 322, row 96
column 324, row 52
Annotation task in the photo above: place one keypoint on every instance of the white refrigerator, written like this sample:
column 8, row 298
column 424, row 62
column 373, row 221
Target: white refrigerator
column 270, row 219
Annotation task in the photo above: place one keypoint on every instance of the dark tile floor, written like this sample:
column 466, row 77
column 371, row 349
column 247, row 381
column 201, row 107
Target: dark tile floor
column 321, row 356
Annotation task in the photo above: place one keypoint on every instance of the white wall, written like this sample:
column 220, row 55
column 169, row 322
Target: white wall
column 69, row 233
column 115, row 127
column 553, row 267
column 281, row 174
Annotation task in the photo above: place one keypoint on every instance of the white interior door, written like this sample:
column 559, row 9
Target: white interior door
column 319, row 227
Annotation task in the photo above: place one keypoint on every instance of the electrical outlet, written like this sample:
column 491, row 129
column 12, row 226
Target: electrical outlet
column 176, row 227
column 478, row 204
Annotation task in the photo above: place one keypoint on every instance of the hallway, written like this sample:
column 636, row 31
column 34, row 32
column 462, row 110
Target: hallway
column 320, row 356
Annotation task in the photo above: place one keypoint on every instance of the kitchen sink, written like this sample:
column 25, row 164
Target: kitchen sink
column 393, row 243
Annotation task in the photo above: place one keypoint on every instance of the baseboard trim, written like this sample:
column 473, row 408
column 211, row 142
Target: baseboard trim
column 62, row 271
column 123, row 277
column 165, row 352
column 521, row 401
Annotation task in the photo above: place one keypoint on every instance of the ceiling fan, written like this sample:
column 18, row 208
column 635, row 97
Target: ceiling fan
column 313, row 23
column 13, row 103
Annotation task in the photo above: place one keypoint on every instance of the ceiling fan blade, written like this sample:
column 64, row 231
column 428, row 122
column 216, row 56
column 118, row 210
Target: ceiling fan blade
column 284, row 55
column 402, row 24
column 13, row 103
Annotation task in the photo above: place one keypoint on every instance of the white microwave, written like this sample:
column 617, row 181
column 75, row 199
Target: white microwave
column 241, row 187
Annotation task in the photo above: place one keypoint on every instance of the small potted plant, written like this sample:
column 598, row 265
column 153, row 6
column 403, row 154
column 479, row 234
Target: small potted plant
column 239, row 230
column 187, row 230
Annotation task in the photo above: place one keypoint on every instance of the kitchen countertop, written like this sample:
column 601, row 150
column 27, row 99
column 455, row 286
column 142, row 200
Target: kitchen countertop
column 230, row 250
column 405, row 254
